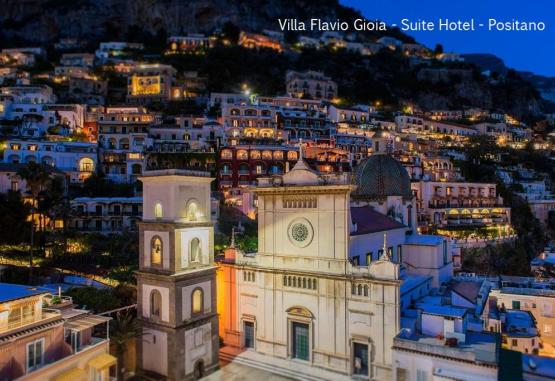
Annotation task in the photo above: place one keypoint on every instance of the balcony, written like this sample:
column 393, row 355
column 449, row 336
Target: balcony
column 466, row 204
column 13, row 325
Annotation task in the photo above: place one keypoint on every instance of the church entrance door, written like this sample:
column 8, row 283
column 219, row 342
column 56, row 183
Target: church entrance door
column 249, row 334
column 300, row 341
column 360, row 364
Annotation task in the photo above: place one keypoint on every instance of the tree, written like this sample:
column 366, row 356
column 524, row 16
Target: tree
column 438, row 49
column 231, row 32
column 14, row 226
column 123, row 329
column 37, row 177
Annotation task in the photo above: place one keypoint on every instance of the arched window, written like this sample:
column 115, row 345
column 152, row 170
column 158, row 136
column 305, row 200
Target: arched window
column 156, row 250
column 365, row 290
column 359, row 289
column 197, row 301
column 192, row 211
column 155, row 303
column 194, row 250
column 86, row 165
column 158, row 210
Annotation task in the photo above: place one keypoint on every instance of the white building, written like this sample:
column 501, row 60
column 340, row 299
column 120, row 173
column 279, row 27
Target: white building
column 110, row 51
column 105, row 214
column 30, row 94
column 221, row 99
column 123, row 140
column 310, row 83
column 77, row 159
column 354, row 115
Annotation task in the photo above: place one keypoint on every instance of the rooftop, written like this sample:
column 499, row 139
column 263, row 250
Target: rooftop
column 367, row 220
column 426, row 240
column 10, row 292
column 478, row 347
column 538, row 365
column 412, row 281
column 468, row 290
column 519, row 323
column 448, row 311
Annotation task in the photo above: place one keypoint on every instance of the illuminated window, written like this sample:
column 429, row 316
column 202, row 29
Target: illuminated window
column 197, row 301
column 242, row 154
column 155, row 303
column 86, row 165
column 158, row 210
column 156, row 250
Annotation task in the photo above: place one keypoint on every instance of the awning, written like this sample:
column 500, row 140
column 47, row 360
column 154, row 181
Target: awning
column 103, row 361
column 74, row 374
column 86, row 322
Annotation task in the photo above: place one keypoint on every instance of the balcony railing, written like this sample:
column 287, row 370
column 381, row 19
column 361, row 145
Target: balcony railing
column 23, row 321
column 442, row 205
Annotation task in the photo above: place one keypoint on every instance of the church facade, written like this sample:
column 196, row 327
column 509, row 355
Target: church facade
column 338, row 258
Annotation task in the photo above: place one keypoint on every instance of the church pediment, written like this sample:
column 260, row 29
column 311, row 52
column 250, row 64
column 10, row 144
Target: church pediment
column 301, row 174
column 300, row 311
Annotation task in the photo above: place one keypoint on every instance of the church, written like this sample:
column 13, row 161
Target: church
column 338, row 258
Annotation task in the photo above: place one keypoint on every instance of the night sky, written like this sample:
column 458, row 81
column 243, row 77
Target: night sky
column 527, row 51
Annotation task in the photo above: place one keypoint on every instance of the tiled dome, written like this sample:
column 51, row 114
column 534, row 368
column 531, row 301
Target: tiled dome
column 379, row 176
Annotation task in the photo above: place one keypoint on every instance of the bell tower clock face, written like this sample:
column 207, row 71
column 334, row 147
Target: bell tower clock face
column 300, row 232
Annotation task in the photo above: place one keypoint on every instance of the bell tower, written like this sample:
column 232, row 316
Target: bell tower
column 176, row 281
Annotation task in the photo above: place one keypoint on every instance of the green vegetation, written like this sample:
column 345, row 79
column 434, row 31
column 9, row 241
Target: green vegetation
column 483, row 156
column 98, row 185
column 504, row 259
column 388, row 77
column 229, row 218
column 102, row 300
column 14, row 227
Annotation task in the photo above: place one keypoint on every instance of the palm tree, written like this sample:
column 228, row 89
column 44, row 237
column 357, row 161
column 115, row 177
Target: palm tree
column 37, row 177
column 123, row 329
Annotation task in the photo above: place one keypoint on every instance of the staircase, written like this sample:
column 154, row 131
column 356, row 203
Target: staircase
column 296, row 370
